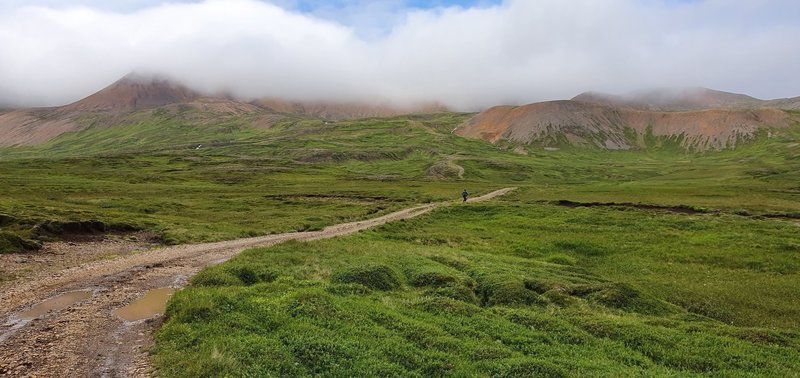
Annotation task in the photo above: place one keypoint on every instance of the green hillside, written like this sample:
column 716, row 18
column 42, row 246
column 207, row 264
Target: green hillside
column 655, row 262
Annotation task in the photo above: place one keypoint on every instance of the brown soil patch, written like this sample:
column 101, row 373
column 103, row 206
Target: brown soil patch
column 78, row 250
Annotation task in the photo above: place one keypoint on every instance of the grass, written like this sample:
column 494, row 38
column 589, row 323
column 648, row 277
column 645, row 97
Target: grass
column 513, row 288
column 294, row 177
column 689, row 267
column 304, row 174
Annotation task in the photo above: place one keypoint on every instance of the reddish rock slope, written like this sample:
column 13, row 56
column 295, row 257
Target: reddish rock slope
column 588, row 124
column 685, row 99
column 135, row 92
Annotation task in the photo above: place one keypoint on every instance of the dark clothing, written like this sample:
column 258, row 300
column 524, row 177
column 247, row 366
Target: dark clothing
column 464, row 194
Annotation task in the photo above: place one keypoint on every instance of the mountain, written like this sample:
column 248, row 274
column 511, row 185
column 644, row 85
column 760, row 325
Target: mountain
column 696, row 118
column 135, row 92
column 130, row 100
column 580, row 123
column 135, row 98
column 344, row 110
column 684, row 99
column 784, row 103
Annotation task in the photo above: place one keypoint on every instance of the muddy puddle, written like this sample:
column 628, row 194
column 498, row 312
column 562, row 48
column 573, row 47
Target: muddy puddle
column 56, row 303
column 151, row 304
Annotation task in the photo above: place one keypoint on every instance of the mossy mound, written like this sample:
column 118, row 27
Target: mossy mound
column 10, row 243
column 215, row 277
column 457, row 292
column 431, row 278
column 375, row 277
column 348, row 289
column 624, row 297
column 233, row 275
column 561, row 259
column 506, row 290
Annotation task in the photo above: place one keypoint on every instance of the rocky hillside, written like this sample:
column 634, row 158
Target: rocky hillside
column 135, row 92
column 576, row 123
column 133, row 97
column 685, row 99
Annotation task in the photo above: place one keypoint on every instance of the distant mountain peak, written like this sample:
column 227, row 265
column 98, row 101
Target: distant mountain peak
column 673, row 99
column 136, row 91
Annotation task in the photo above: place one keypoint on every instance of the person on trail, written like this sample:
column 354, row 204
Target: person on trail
column 464, row 194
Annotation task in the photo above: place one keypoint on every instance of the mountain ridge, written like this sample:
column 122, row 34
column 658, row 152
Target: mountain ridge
column 685, row 99
column 346, row 109
column 118, row 102
column 701, row 118
column 586, row 124
column 135, row 91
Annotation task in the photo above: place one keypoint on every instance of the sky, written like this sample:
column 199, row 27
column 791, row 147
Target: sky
column 467, row 54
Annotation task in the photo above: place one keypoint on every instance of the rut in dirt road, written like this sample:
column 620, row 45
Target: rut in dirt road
column 86, row 338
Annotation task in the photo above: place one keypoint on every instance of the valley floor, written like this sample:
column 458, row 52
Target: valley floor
column 88, row 339
column 654, row 262
column 514, row 287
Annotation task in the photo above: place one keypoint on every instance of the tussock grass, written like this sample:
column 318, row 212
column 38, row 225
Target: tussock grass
column 476, row 307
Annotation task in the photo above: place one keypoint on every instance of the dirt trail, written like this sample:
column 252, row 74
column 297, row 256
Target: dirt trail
column 86, row 339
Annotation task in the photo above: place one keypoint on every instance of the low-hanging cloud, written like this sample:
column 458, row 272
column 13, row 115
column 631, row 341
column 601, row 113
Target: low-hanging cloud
column 518, row 51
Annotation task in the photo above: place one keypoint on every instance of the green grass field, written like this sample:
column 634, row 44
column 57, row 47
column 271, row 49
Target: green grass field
column 511, row 288
column 662, row 263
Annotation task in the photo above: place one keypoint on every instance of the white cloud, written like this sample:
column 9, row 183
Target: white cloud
column 517, row 52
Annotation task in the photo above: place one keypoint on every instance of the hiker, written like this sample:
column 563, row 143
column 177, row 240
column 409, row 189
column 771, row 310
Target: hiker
column 464, row 194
